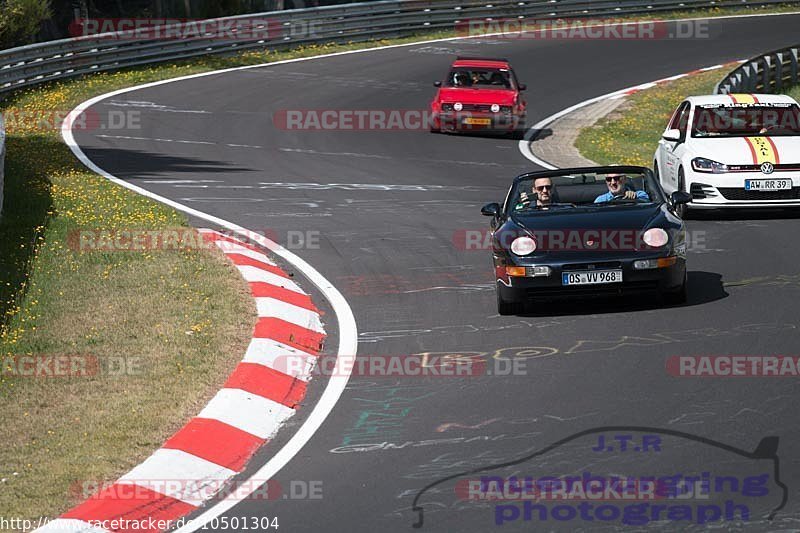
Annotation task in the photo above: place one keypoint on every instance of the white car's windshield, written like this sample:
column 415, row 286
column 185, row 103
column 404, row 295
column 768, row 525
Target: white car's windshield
column 746, row 120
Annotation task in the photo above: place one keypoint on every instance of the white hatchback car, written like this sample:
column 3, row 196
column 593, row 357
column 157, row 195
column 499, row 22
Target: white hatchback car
column 732, row 150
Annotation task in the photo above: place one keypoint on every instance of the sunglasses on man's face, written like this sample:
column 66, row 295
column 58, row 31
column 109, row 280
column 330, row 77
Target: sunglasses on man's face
column 609, row 179
column 542, row 188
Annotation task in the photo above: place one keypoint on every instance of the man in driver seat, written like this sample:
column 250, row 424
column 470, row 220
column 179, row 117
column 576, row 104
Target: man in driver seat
column 542, row 193
column 618, row 187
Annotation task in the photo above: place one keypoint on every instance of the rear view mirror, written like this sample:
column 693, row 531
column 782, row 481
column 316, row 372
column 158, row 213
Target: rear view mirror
column 437, row 84
column 672, row 135
column 491, row 210
column 523, row 87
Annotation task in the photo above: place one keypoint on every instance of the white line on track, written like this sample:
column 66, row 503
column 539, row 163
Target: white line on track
column 181, row 141
column 348, row 333
column 130, row 138
column 152, row 106
column 175, row 182
column 343, row 154
column 525, row 144
column 377, row 156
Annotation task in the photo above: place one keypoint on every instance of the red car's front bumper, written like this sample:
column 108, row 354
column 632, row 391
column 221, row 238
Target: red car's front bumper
column 472, row 121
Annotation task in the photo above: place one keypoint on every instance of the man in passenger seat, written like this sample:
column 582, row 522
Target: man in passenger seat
column 618, row 187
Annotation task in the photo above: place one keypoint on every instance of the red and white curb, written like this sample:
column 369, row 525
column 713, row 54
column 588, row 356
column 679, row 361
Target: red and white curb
column 262, row 393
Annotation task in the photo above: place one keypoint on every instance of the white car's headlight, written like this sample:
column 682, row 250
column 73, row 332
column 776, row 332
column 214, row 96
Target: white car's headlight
column 701, row 164
column 655, row 237
column 523, row 246
column 458, row 106
column 495, row 108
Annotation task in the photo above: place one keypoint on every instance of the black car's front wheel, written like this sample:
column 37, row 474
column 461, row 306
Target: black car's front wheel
column 677, row 296
column 509, row 307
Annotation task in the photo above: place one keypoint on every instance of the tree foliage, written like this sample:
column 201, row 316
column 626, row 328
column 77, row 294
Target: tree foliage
column 21, row 20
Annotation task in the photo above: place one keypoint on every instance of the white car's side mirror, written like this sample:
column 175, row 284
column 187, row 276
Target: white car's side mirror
column 672, row 135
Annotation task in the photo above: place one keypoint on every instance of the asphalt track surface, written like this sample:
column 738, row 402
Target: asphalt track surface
column 391, row 252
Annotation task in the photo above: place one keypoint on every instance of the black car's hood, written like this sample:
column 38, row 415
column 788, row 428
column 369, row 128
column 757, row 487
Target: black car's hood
column 608, row 217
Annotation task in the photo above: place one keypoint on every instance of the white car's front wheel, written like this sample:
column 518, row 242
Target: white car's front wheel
column 683, row 209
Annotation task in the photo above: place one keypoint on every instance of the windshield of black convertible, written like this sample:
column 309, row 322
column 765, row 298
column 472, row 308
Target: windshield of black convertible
column 587, row 190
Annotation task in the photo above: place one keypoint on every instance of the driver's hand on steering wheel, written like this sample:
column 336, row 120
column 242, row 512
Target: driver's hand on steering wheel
column 629, row 195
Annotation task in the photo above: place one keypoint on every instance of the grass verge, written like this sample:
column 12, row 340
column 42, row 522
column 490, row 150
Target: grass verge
column 179, row 320
column 152, row 334
column 630, row 134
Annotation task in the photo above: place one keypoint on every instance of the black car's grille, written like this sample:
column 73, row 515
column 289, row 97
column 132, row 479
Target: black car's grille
column 592, row 266
column 591, row 291
column 733, row 193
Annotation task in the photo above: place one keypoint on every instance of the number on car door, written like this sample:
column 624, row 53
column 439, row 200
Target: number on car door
column 671, row 151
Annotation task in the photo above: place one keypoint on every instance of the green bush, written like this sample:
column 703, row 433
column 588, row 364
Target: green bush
column 20, row 21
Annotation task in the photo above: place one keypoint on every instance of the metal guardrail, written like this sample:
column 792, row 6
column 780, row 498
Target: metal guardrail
column 54, row 60
column 2, row 159
column 773, row 72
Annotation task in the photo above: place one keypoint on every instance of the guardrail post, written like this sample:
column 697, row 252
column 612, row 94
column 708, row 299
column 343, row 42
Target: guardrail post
column 737, row 81
column 793, row 65
column 766, row 73
column 778, row 72
column 747, row 75
column 755, row 73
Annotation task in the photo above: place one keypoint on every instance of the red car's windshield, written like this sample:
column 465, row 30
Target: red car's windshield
column 480, row 78
column 751, row 120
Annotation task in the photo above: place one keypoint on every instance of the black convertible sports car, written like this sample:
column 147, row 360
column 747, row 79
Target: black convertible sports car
column 585, row 232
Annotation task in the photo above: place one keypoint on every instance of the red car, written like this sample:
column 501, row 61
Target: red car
column 479, row 94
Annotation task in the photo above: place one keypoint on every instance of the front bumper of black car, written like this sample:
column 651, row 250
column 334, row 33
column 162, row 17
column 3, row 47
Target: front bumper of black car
column 513, row 287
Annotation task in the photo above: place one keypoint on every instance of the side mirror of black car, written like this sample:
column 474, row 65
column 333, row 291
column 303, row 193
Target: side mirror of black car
column 437, row 84
column 523, row 87
column 680, row 197
column 491, row 210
